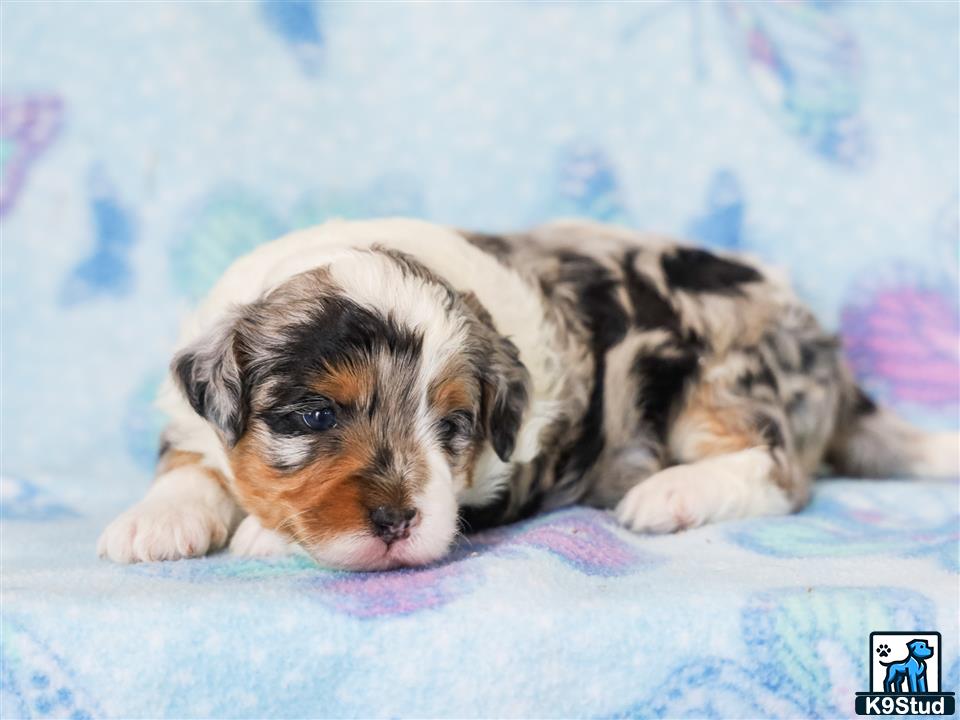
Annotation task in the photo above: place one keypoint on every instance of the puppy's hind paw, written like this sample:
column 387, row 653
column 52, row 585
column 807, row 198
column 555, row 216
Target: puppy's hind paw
column 723, row 487
column 660, row 504
column 253, row 540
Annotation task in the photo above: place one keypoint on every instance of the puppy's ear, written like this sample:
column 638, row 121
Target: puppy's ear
column 506, row 397
column 505, row 381
column 210, row 374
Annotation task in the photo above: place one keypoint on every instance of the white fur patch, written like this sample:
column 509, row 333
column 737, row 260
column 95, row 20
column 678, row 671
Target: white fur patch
column 725, row 487
column 352, row 552
column 185, row 514
column 939, row 456
column 252, row 539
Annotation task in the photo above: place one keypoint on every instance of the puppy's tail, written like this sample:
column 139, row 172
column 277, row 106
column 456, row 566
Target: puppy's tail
column 872, row 442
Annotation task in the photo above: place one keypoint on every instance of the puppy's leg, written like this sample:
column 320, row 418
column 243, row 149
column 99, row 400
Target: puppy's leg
column 186, row 513
column 618, row 470
column 737, row 463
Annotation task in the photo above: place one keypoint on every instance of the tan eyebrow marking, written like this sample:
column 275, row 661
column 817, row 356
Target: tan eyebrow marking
column 348, row 384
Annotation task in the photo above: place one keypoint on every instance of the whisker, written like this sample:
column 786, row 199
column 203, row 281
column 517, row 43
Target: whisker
column 293, row 517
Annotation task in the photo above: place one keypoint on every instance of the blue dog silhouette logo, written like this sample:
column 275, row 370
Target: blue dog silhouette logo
column 909, row 673
column 905, row 676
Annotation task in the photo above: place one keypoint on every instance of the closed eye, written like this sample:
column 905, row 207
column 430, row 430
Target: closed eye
column 455, row 426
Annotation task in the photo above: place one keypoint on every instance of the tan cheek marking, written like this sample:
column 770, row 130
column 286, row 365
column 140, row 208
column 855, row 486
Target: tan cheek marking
column 322, row 501
column 257, row 485
column 338, row 510
column 330, row 495
column 347, row 384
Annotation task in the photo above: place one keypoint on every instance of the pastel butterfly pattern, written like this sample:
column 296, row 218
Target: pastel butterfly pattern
column 398, row 592
column 802, row 62
column 805, row 66
column 819, row 678
column 901, row 326
column 587, row 185
column 783, row 674
column 297, row 23
column 362, row 595
column 107, row 270
column 703, row 687
column 584, row 540
column 36, row 681
column 233, row 221
column 23, row 499
column 721, row 223
column 848, row 523
column 27, row 127
column 227, row 224
column 901, row 337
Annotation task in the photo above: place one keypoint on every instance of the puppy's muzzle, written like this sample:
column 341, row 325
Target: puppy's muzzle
column 392, row 523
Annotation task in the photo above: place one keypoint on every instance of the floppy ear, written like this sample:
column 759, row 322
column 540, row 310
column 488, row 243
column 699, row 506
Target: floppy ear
column 507, row 398
column 210, row 374
column 504, row 378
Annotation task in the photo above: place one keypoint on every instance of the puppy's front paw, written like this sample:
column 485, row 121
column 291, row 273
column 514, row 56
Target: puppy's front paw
column 160, row 530
column 253, row 540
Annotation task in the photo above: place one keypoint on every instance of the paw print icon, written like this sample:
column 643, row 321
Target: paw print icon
column 883, row 650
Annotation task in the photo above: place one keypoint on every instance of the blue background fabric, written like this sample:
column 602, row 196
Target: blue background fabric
column 143, row 146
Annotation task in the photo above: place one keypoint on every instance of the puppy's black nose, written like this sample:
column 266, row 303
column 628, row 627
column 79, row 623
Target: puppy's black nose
column 392, row 523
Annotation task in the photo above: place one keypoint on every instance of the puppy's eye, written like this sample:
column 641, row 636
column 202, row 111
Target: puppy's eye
column 320, row 419
column 454, row 426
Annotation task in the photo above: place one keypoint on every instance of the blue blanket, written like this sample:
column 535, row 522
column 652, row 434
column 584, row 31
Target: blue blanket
column 562, row 616
column 143, row 146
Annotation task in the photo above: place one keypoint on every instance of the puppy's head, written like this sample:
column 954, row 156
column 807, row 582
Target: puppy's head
column 354, row 402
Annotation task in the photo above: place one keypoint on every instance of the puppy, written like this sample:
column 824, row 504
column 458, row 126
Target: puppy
column 360, row 389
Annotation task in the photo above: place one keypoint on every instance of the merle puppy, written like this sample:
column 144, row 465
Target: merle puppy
column 360, row 388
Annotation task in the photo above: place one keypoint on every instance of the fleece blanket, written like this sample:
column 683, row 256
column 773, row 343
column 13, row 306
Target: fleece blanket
column 143, row 146
column 562, row 616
